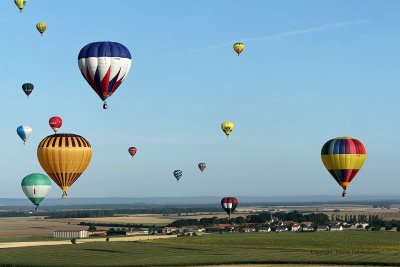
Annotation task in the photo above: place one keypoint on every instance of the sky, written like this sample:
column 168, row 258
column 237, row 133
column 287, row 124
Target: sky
column 310, row 71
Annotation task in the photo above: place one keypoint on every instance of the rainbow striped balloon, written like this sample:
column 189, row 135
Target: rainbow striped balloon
column 343, row 157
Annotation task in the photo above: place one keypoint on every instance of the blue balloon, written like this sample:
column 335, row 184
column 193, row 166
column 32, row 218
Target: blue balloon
column 24, row 131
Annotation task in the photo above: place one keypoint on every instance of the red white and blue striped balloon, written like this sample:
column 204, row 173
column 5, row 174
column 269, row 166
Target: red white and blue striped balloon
column 104, row 65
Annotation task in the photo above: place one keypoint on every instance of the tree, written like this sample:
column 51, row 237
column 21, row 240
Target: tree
column 73, row 241
column 92, row 228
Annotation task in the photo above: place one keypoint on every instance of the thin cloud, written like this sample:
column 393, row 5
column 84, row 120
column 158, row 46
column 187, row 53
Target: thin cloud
column 321, row 28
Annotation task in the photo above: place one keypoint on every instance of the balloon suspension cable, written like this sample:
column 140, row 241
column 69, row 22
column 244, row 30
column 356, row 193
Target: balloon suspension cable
column 344, row 193
column 64, row 195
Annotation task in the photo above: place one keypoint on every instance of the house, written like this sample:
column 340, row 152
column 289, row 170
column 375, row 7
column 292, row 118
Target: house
column 296, row 227
column 169, row 230
column 281, row 229
column 226, row 226
column 192, row 229
column 137, row 231
column 287, row 223
column 97, row 233
column 307, row 223
column 248, row 229
column 264, row 229
column 322, row 228
column 70, row 234
column 307, row 229
column 359, row 226
column 336, row 228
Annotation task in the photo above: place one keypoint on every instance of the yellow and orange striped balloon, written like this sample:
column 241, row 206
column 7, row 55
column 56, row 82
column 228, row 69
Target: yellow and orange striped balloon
column 64, row 157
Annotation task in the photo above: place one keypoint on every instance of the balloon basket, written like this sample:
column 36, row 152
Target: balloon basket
column 64, row 195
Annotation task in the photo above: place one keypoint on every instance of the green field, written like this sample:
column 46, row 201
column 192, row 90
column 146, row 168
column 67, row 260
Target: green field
column 349, row 247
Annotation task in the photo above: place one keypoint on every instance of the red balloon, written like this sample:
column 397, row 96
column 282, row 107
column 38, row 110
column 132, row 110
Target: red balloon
column 132, row 150
column 229, row 204
column 55, row 123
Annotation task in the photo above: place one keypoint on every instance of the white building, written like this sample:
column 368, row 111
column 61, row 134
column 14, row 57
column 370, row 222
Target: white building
column 296, row 227
column 336, row 228
column 70, row 234
column 138, row 231
column 264, row 229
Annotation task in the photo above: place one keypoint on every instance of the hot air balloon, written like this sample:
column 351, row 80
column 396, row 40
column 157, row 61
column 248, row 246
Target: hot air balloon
column 201, row 166
column 41, row 27
column 177, row 174
column 343, row 157
column 104, row 65
column 55, row 123
column 27, row 88
column 36, row 186
column 64, row 157
column 227, row 127
column 20, row 4
column 238, row 47
column 24, row 131
column 132, row 150
column 229, row 204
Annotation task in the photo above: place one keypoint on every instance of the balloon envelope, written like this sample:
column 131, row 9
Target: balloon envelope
column 229, row 204
column 343, row 157
column 41, row 27
column 55, row 123
column 20, row 4
column 238, row 47
column 36, row 186
column 24, row 132
column 132, row 150
column 104, row 65
column 202, row 166
column 64, row 157
column 27, row 88
column 227, row 127
column 177, row 174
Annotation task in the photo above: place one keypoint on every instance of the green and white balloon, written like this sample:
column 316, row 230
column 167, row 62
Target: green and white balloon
column 36, row 186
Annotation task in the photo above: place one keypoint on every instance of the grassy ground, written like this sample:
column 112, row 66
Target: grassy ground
column 362, row 248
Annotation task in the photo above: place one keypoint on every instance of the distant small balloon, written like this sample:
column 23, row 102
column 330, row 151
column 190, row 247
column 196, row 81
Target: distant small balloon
column 27, row 88
column 132, row 150
column 238, row 47
column 177, row 174
column 20, row 4
column 229, row 204
column 55, row 123
column 24, row 132
column 41, row 27
column 202, row 166
column 227, row 127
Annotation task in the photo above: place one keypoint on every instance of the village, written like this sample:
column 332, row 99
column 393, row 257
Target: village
column 260, row 223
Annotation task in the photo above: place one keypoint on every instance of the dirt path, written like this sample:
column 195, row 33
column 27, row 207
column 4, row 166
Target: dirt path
column 80, row 241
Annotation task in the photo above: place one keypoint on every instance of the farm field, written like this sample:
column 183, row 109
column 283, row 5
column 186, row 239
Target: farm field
column 355, row 248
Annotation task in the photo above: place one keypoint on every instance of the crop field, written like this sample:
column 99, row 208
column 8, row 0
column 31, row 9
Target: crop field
column 32, row 227
column 349, row 247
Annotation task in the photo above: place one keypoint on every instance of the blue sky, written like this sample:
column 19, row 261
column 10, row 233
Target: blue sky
column 311, row 71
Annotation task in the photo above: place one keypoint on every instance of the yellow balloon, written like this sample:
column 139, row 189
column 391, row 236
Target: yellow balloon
column 64, row 157
column 41, row 27
column 238, row 47
column 20, row 4
column 227, row 127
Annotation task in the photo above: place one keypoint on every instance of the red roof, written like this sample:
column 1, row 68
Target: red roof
column 225, row 225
